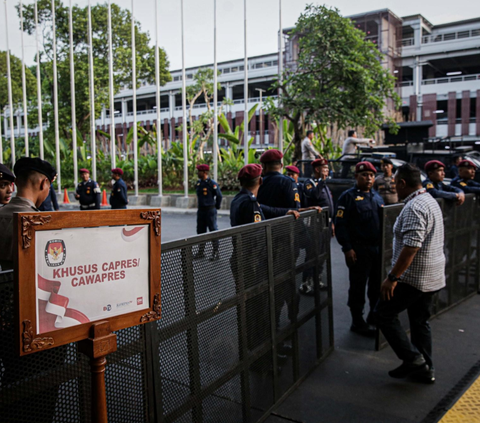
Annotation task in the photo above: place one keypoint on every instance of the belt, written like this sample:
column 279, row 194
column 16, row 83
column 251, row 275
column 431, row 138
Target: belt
column 206, row 208
column 87, row 206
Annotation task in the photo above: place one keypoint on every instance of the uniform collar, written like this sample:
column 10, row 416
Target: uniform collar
column 23, row 200
column 249, row 193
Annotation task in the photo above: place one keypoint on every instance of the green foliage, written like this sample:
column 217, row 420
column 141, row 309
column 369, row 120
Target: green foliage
column 338, row 77
column 16, row 73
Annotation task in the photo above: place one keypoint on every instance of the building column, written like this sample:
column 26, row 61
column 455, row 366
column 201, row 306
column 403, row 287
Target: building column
column 228, row 95
column 417, row 34
column 272, row 133
column 413, row 109
column 465, row 112
column 19, row 124
column 239, row 116
column 477, row 114
column 253, row 128
column 452, row 113
column 171, row 104
column 429, row 107
column 166, row 137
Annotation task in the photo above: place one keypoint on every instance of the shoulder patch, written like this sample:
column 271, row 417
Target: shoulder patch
column 463, row 184
column 359, row 198
column 339, row 213
column 429, row 186
column 257, row 217
column 297, row 197
column 308, row 186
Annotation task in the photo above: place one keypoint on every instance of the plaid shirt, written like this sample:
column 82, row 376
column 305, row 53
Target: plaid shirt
column 420, row 224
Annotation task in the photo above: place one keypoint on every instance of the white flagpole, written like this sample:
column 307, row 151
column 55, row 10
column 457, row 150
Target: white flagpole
column 215, row 94
column 9, row 88
column 184, row 108
column 113, row 153
column 39, row 87
column 92, row 95
column 1, row 141
column 73, row 104
column 245, row 87
column 55, row 100
column 280, row 72
column 134, row 90
column 24, row 86
column 157, row 91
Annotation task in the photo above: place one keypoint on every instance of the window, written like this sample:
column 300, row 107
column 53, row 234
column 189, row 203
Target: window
column 226, row 70
column 177, row 78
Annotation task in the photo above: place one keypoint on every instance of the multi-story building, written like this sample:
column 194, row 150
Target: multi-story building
column 437, row 69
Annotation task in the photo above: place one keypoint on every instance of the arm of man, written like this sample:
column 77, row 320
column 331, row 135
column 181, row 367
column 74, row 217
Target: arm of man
column 123, row 193
column 436, row 193
column 293, row 197
column 97, row 192
column 218, row 197
column 309, row 146
column 54, row 198
column 341, row 229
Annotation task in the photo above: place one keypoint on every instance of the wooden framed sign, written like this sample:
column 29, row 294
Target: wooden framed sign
column 74, row 269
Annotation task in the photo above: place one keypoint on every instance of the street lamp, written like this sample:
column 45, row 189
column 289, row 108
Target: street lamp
column 261, row 91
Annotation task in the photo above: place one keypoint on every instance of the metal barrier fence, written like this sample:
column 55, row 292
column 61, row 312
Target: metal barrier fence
column 221, row 351
column 462, row 240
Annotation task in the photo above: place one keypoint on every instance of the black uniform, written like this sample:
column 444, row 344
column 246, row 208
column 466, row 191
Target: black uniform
column 278, row 190
column 357, row 227
column 50, row 202
column 209, row 200
column 440, row 190
column 118, row 198
column 301, row 192
column 317, row 193
column 89, row 193
column 453, row 172
column 468, row 186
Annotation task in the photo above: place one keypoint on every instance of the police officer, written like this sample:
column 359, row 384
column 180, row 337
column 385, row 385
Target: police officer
column 385, row 184
column 358, row 230
column 277, row 190
column 317, row 193
column 293, row 173
column 118, row 197
column 88, row 192
column 7, row 186
column 453, row 172
column 464, row 181
column 435, row 186
column 209, row 199
column 34, row 177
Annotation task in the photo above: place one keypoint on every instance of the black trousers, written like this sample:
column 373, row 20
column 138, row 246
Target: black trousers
column 365, row 273
column 418, row 305
column 207, row 219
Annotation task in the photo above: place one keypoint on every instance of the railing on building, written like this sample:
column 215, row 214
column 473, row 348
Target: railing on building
column 213, row 357
column 443, row 80
column 450, row 36
column 462, row 243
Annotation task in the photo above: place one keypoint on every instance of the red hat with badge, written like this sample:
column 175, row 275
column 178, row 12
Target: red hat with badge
column 84, row 171
column 467, row 163
column 293, row 169
column 204, row 167
column 365, row 167
column 117, row 171
column 271, row 156
column 319, row 162
column 250, row 171
column 433, row 165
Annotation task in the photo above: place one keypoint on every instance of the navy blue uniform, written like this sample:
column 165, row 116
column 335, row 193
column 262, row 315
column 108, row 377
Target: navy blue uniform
column 453, row 172
column 317, row 193
column 278, row 190
column 50, row 202
column 301, row 191
column 209, row 200
column 358, row 227
column 89, row 193
column 440, row 190
column 118, row 197
column 468, row 186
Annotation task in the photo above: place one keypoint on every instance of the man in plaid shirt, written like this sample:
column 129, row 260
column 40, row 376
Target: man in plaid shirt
column 418, row 273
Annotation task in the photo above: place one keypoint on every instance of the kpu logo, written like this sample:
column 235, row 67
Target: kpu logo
column 107, row 308
column 55, row 253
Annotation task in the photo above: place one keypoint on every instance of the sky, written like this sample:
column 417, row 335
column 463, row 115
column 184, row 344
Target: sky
column 262, row 23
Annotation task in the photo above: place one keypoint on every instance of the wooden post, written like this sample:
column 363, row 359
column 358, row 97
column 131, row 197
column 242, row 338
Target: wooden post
column 101, row 343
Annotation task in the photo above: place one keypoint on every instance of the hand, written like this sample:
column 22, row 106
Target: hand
column 77, row 196
column 386, row 290
column 294, row 213
column 460, row 198
column 351, row 258
column 333, row 230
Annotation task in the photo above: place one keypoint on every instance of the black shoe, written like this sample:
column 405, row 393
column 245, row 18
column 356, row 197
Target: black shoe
column 281, row 358
column 285, row 350
column 371, row 319
column 409, row 368
column 306, row 289
column 215, row 256
column 322, row 286
column 198, row 256
column 427, row 376
column 363, row 329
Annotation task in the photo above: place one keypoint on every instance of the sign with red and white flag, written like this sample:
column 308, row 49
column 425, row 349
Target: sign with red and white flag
column 74, row 269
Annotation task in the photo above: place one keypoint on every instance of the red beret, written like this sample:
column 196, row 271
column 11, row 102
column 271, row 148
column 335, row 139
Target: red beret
column 432, row 165
column 203, row 167
column 293, row 169
column 84, row 171
column 271, row 156
column 250, row 171
column 365, row 167
column 319, row 162
column 467, row 163
column 118, row 171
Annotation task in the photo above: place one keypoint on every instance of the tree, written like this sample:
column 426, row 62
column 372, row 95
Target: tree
column 122, row 53
column 338, row 77
column 16, row 72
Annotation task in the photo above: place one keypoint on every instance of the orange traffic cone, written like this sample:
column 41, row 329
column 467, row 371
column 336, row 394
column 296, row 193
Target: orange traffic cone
column 104, row 198
column 66, row 200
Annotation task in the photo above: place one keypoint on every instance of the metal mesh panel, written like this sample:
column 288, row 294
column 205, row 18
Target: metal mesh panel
column 235, row 335
column 461, row 224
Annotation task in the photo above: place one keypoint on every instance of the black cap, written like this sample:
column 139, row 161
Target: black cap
column 386, row 160
column 27, row 164
column 6, row 173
